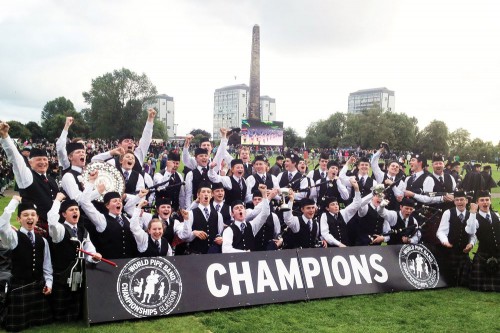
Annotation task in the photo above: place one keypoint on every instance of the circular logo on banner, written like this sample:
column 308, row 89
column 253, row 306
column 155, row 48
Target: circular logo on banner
column 149, row 287
column 419, row 266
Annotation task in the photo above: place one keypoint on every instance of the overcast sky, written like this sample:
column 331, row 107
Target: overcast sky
column 442, row 58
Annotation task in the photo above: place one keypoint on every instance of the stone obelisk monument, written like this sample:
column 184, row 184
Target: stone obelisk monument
column 254, row 98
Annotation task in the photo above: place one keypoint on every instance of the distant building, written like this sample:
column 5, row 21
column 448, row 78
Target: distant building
column 369, row 98
column 267, row 108
column 164, row 105
column 230, row 107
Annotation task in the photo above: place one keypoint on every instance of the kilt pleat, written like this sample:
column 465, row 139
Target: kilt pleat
column 27, row 306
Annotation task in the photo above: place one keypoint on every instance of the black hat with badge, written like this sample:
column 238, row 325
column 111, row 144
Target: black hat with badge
column 72, row 146
column 66, row 204
column 173, row 156
column 293, row 157
column 28, row 205
column 200, row 151
column 111, row 195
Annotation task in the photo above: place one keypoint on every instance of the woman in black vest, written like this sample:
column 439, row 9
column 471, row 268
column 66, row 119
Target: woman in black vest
column 150, row 243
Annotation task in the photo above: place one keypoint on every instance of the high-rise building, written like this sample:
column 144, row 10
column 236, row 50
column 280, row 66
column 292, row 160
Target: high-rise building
column 164, row 105
column 230, row 107
column 267, row 108
column 371, row 98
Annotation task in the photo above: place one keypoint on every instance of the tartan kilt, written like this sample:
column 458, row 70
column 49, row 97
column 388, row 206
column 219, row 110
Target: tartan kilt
column 66, row 304
column 456, row 267
column 480, row 279
column 27, row 306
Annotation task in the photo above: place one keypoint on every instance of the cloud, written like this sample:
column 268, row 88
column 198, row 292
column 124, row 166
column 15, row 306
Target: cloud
column 441, row 58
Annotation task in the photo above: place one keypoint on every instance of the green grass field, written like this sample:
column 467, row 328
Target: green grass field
column 443, row 310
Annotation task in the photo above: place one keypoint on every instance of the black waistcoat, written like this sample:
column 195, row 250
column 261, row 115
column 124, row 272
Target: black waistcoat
column 172, row 192
column 337, row 228
column 329, row 189
column 317, row 175
column 447, row 185
column 488, row 235
column 211, row 228
column 247, row 170
column 41, row 193
column 131, row 184
column 65, row 252
column 370, row 224
column 236, row 193
column 296, row 183
column 400, row 224
column 306, row 238
column 198, row 177
column 116, row 241
column 265, row 234
column 152, row 250
column 224, row 210
column 457, row 235
column 389, row 195
column 168, row 229
column 27, row 261
column 417, row 185
column 258, row 181
column 243, row 241
column 365, row 189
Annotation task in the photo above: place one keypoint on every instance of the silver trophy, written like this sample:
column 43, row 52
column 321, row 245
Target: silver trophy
column 283, row 205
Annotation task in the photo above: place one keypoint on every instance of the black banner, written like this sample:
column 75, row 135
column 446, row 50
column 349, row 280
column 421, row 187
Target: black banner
column 159, row 286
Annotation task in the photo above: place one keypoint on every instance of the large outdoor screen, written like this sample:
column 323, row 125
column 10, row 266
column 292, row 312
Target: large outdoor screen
column 261, row 133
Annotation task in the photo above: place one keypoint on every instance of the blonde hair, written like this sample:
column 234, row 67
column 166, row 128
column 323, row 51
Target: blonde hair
column 154, row 221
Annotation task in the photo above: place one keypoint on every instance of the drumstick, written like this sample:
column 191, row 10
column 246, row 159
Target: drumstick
column 109, row 262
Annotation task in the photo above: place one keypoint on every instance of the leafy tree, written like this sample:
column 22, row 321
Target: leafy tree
column 159, row 130
column 54, row 115
column 367, row 129
column 18, row 130
column 116, row 103
column 291, row 138
column 58, row 106
column 459, row 141
column 199, row 134
column 404, row 130
column 433, row 139
column 326, row 133
column 36, row 130
column 52, row 127
column 199, row 131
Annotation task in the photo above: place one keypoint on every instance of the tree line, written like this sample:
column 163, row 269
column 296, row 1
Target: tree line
column 117, row 102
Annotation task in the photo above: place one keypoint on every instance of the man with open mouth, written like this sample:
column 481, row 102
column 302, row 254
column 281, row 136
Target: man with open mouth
column 203, row 225
column 72, row 181
column 126, row 143
column 31, row 271
column 112, row 229
column 66, row 239
column 35, row 185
